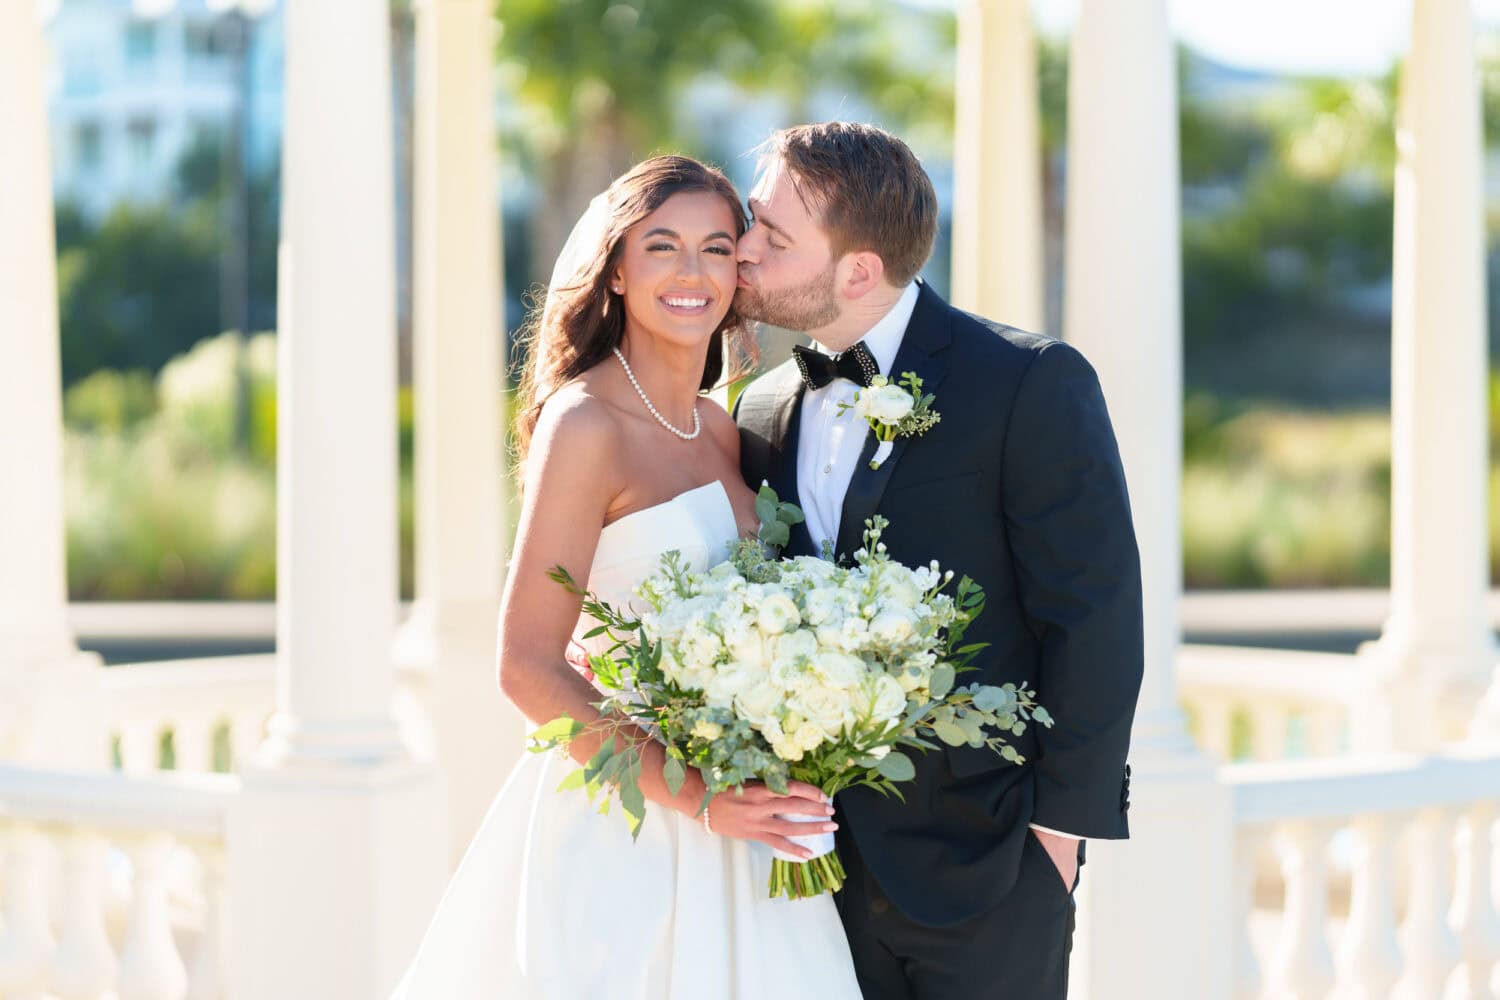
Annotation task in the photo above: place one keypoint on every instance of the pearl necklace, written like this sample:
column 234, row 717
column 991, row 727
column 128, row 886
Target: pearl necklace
column 697, row 426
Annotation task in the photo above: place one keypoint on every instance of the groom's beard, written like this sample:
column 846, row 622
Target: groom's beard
column 809, row 306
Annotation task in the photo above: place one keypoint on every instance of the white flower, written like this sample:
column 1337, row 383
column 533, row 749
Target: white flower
column 879, row 752
column 759, row 703
column 839, row 669
column 706, row 730
column 822, row 605
column 799, row 645
column 881, row 699
column 828, row 707
column 748, row 649
column 808, row 736
column 886, row 403
column 892, row 625
column 727, row 681
column 778, row 613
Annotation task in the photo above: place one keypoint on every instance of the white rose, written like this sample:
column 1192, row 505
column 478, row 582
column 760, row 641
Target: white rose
column 798, row 645
column 899, row 588
column 777, row 614
column 747, row 649
column 828, row 707
column 839, row 669
column 706, row 730
column 854, row 634
column 822, row 605
column 887, row 404
column 758, row 704
column 787, row 750
column 892, row 625
column 728, row 681
column 882, row 699
column 808, row 736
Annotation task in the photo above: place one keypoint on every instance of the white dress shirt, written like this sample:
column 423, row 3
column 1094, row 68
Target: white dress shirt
column 829, row 443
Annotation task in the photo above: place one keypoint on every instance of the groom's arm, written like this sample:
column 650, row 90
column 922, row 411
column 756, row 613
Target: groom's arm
column 1078, row 571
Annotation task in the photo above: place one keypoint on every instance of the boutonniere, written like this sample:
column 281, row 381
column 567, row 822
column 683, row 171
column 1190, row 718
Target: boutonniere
column 893, row 411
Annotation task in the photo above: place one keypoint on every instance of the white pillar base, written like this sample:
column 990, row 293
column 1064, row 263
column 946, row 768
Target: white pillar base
column 451, row 709
column 50, row 712
column 1172, row 881
column 1421, row 695
column 334, row 874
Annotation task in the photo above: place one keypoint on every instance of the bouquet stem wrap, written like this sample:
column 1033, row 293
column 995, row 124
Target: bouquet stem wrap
column 794, row 878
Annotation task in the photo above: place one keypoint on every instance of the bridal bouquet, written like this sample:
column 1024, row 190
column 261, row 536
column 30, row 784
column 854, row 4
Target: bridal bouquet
column 763, row 669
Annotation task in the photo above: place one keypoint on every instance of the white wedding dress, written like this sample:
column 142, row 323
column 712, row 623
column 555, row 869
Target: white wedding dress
column 554, row 902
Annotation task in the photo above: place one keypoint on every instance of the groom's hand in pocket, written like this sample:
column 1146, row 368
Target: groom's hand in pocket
column 1064, row 854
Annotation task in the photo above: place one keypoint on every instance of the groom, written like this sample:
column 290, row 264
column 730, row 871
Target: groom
column 965, row 889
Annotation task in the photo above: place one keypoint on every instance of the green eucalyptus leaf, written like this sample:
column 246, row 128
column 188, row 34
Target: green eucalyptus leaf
column 559, row 730
column 674, row 774
column 765, row 507
column 896, row 766
column 949, row 733
column 572, row 781
column 942, row 680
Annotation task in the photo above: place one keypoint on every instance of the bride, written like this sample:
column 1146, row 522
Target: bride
column 624, row 460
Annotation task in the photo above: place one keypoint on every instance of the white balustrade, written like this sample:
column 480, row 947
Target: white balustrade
column 1247, row 850
column 1303, row 966
column 83, row 966
column 61, row 833
column 1473, row 915
column 189, row 702
column 1430, row 951
column 25, row 937
column 1385, row 826
column 1369, row 959
column 1290, row 699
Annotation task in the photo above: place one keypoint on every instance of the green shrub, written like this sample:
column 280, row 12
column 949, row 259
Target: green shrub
column 110, row 401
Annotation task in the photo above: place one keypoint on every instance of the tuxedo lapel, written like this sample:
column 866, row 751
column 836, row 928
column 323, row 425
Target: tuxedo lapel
column 927, row 334
column 786, row 419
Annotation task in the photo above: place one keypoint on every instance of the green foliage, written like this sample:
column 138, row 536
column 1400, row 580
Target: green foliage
column 142, row 285
column 110, row 401
column 137, row 290
column 160, row 504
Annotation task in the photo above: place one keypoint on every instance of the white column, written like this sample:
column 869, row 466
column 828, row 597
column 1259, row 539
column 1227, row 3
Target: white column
column 1436, row 647
column 1122, row 309
column 1123, row 301
column 36, row 643
column 448, row 644
column 998, row 266
column 336, row 846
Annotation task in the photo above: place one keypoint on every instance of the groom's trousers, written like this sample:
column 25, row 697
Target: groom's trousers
column 1017, row 951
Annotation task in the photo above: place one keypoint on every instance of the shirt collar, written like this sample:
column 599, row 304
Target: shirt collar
column 884, row 338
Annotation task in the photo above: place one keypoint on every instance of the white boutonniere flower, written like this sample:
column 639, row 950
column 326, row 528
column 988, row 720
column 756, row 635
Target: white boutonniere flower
column 893, row 410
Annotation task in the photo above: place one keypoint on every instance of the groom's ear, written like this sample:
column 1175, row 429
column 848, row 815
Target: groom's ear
column 863, row 273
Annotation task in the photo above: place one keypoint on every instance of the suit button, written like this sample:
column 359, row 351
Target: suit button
column 879, row 905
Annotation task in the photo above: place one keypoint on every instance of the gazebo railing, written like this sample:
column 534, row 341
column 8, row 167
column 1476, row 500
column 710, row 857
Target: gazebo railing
column 1385, row 876
column 112, row 885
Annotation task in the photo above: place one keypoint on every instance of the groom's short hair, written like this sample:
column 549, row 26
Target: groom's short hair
column 867, row 189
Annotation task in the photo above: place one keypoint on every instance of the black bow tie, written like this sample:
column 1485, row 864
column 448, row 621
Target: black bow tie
column 856, row 364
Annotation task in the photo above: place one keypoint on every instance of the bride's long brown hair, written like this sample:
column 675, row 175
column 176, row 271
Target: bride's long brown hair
column 576, row 326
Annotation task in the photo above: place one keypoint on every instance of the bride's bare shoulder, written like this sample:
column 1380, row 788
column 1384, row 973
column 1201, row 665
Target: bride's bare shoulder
column 721, row 427
column 576, row 424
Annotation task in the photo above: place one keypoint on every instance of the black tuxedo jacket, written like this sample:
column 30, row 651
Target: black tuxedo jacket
column 1019, row 486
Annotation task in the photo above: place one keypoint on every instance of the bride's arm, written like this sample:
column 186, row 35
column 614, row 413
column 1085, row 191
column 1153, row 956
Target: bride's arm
column 573, row 474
